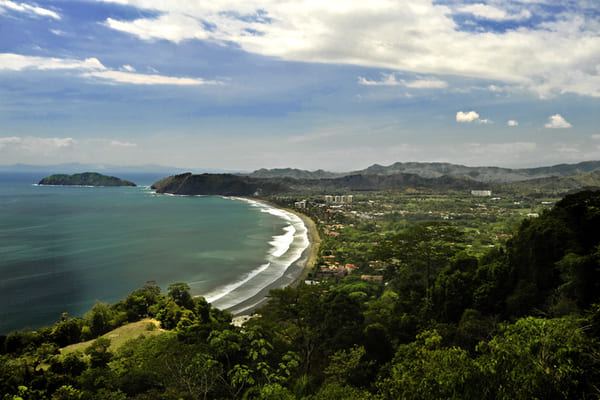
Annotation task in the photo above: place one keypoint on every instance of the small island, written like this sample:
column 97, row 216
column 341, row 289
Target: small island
column 84, row 179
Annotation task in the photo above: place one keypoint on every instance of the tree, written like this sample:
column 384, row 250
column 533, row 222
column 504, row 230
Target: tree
column 540, row 358
column 425, row 369
column 98, row 319
column 453, row 287
column 169, row 315
column 67, row 331
column 99, row 353
column 342, row 322
column 424, row 249
column 180, row 293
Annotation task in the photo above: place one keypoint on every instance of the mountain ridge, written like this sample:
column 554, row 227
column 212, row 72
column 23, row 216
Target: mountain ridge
column 485, row 174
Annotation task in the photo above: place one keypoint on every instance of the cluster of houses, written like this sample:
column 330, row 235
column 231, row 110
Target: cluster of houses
column 332, row 230
column 336, row 200
column 333, row 269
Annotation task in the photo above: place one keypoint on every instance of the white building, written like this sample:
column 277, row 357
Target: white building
column 300, row 204
column 339, row 199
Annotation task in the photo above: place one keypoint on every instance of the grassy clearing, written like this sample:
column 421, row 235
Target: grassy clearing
column 146, row 327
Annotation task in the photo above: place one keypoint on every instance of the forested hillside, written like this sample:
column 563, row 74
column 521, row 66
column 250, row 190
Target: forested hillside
column 84, row 179
column 519, row 322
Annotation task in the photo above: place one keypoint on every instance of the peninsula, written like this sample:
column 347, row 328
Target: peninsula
column 217, row 184
column 84, row 179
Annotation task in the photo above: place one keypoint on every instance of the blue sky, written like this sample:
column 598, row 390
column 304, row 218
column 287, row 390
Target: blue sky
column 337, row 85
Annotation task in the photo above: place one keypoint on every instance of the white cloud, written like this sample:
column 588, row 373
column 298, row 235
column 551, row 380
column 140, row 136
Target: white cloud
column 466, row 116
column 390, row 80
column 596, row 136
column 566, row 148
column 5, row 141
column 512, row 122
column 144, row 79
column 33, row 11
column 556, row 121
column 36, row 145
column 118, row 143
column 470, row 116
column 387, row 80
column 174, row 27
column 492, row 13
column 405, row 35
column 17, row 62
column 426, row 84
column 93, row 68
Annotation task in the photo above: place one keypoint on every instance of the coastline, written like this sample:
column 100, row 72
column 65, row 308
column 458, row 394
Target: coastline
column 293, row 276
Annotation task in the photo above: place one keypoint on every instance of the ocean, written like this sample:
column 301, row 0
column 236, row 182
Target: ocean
column 63, row 248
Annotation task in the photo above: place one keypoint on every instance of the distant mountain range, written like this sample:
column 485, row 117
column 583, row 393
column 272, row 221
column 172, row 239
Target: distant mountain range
column 556, row 179
column 489, row 175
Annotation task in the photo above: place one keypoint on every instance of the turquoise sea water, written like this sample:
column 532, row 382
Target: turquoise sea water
column 63, row 248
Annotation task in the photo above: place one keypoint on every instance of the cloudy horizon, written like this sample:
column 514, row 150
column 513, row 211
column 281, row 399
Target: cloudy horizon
column 337, row 85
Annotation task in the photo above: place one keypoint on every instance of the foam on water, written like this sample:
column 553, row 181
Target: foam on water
column 286, row 249
column 231, row 287
column 281, row 244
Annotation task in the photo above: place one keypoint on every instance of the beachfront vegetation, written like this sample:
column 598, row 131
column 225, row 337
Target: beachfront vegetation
column 450, row 318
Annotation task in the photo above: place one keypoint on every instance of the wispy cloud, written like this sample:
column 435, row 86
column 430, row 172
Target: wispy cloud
column 17, row 62
column 391, row 80
column 33, row 144
column 556, row 121
column 127, row 68
column 118, row 143
column 493, row 13
column 93, row 68
column 6, row 141
column 470, row 116
column 145, row 79
column 386, row 80
column 33, row 11
column 426, row 84
column 512, row 122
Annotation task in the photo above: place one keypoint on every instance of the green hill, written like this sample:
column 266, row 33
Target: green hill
column 84, row 179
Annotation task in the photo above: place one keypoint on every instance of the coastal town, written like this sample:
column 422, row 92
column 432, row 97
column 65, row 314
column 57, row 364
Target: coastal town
column 352, row 225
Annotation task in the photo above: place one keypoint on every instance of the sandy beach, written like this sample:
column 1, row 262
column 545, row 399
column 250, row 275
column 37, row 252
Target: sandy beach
column 295, row 274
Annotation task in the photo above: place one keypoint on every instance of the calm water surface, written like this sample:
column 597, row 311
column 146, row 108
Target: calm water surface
column 63, row 248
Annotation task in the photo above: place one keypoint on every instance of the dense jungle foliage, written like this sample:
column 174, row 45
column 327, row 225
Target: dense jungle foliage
column 520, row 322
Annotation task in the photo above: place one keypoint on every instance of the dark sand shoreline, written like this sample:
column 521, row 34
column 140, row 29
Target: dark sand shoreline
column 294, row 275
